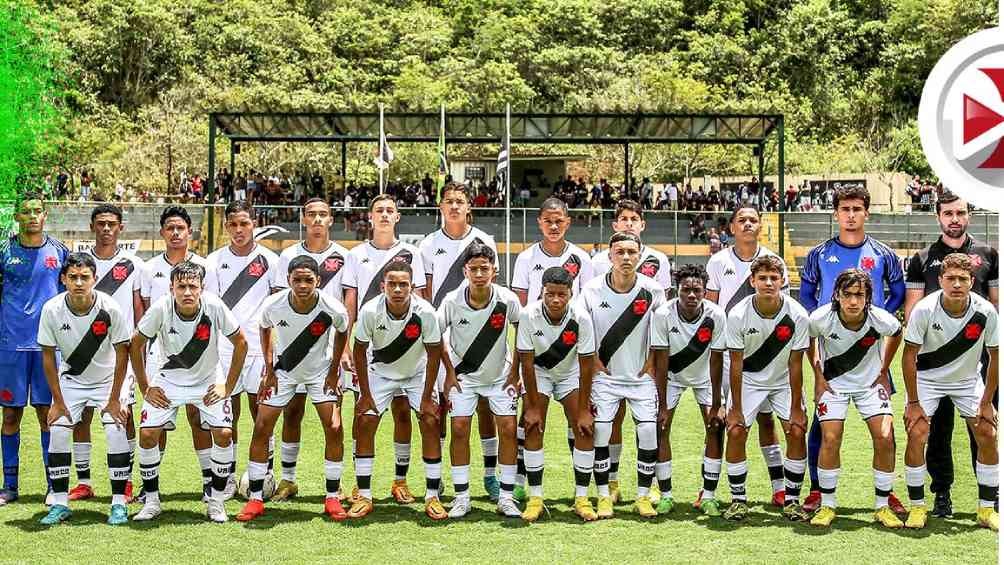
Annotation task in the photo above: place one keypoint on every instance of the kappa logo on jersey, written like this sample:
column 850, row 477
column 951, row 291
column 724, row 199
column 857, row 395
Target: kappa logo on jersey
column 172, row 331
column 158, row 275
column 538, row 333
column 674, row 330
column 833, row 259
column 365, row 260
column 935, row 263
column 538, row 267
column 440, row 251
column 730, row 272
column 937, row 326
column 752, row 331
column 463, row 322
column 224, row 266
column 381, row 328
column 834, row 337
column 604, row 305
column 283, row 324
column 65, row 327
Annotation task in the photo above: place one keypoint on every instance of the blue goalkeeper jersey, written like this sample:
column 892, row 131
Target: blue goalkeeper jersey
column 29, row 278
column 830, row 258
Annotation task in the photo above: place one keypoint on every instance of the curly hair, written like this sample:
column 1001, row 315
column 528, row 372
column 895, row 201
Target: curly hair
column 846, row 280
column 690, row 271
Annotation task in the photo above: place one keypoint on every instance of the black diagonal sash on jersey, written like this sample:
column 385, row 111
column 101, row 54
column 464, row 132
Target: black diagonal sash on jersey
column 401, row 344
column 454, row 275
column 244, row 281
column 374, row 288
column 108, row 283
column 88, row 346
column 954, row 348
column 694, row 349
column 483, row 343
column 558, row 350
column 193, row 350
column 622, row 327
column 301, row 345
column 327, row 275
column 848, row 360
column 770, row 348
column 743, row 291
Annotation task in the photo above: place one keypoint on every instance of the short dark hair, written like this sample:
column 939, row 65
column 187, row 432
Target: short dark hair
column 956, row 261
column 557, row 275
column 106, row 209
column 188, row 270
column 314, row 199
column 476, row 250
column 767, row 263
column 79, row 259
column 946, row 197
column 553, row 203
column 689, row 271
column 624, row 236
column 397, row 266
column 743, row 206
column 629, row 205
column 175, row 211
column 238, row 206
column 303, row 262
column 852, row 193
column 848, row 278
column 379, row 197
column 27, row 197
column 455, row 187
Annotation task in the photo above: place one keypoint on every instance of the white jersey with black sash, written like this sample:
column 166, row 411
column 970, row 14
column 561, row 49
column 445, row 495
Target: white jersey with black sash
column 87, row 342
column 729, row 275
column 243, row 283
column 767, row 341
column 531, row 263
column 396, row 345
column 301, row 350
column 330, row 262
column 478, row 342
column 119, row 276
column 653, row 264
column 556, row 347
column 689, row 342
column 364, row 269
column 852, row 359
column 443, row 259
column 950, row 346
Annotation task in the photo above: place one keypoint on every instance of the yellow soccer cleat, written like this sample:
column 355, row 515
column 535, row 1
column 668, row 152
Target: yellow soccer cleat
column 584, row 509
column 361, row 508
column 605, row 507
column 401, row 493
column 534, row 508
column 654, row 495
column 644, row 507
column 285, row 491
column 824, row 517
column 888, row 518
column 615, row 492
column 986, row 517
column 917, row 518
column 434, row 509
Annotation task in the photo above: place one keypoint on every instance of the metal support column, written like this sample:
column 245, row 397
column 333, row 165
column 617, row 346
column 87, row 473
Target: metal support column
column 780, row 154
column 211, row 178
column 627, row 169
column 345, row 173
column 758, row 151
column 233, row 154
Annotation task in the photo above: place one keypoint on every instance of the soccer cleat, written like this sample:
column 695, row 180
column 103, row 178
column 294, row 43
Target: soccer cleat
column 584, row 509
column 507, row 507
column 492, row 487
column 778, row 499
column 334, row 509
column 434, row 509
column 141, row 497
column 128, row 492
column 824, row 517
column 354, row 495
column 895, row 504
column 150, row 511
column 7, row 496
column 461, row 506
column 644, row 508
column 81, row 492
column 231, row 488
column 605, row 507
column 615, row 491
column 942, row 505
column 711, row 507
column 119, row 515
column 50, row 498
column 215, row 511
column 812, row 502
column 665, row 505
column 654, row 494
column 361, row 507
column 986, row 517
column 285, row 491
column 401, row 493
column 794, row 512
column 252, row 509
column 57, row 513
column 698, row 500
column 917, row 518
column 534, row 508
column 519, row 493
column 888, row 518
column 736, row 511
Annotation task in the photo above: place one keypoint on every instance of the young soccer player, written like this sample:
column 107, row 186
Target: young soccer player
column 362, row 282
column 303, row 319
column 554, row 340
column 479, row 365
column 397, row 350
column 851, row 364
column 766, row 335
column 330, row 257
column 442, row 255
column 945, row 335
column 188, row 326
column 30, row 262
column 629, row 217
column 90, row 331
column 620, row 305
column 688, row 338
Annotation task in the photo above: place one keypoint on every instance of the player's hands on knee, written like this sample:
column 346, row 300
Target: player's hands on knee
column 333, row 384
column 797, row 419
column 585, row 423
column 156, row 397
column 821, row 387
column 215, row 393
column 987, row 415
column 365, row 404
column 662, row 419
column 57, row 411
column 532, row 417
column 883, row 380
column 716, row 418
column 347, row 363
column 734, row 418
column 913, row 415
column 449, row 383
column 430, row 409
column 116, row 411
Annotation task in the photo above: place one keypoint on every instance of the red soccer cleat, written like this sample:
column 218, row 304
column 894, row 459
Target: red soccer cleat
column 700, row 496
column 81, row 492
column 812, row 502
column 128, row 492
column 895, row 505
column 334, row 509
column 252, row 509
column 778, row 499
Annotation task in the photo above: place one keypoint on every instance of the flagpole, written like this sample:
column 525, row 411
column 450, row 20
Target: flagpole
column 508, row 199
column 380, row 148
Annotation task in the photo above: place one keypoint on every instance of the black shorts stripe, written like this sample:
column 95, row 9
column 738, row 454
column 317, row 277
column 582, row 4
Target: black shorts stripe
column 374, row 288
column 559, row 350
column 852, row 357
column 623, row 326
column 245, row 281
column 194, row 349
column 483, row 343
column 401, row 344
column 300, row 346
column 695, row 347
column 956, row 347
column 89, row 344
column 113, row 279
column 770, row 348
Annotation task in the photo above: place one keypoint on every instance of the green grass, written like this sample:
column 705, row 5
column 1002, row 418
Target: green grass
column 297, row 531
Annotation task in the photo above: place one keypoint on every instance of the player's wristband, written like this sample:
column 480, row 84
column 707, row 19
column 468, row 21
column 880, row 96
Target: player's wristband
column 913, row 402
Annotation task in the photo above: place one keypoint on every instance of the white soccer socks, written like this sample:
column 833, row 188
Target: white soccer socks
column 364, row 472
column 987, row 481
column 648, row 452
column 82, row 461
column 118, row 461
column 583, row 463
column 883, row 486
column 534, row 462
column 775, row 466
column 711, row 471
column 794, row 474
column 332, row 478
column 402, row 460
column 222, row 465
column 915, row 477
column 828, row 486
column 288, row 453
column 490, row 454
column 737, row 480
column 59, row 463
column 433, row 476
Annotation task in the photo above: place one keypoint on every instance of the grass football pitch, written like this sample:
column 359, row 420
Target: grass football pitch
column 297, row 531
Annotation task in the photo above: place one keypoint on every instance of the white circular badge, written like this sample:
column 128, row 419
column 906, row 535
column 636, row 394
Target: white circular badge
column 961, row 119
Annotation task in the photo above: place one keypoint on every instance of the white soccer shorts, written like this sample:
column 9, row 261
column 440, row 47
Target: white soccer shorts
column 557, row 390
column 77, row 397
column 965, row 396
column 727, row 388
column 217, row 415
column 384, row 390
column 502, row 399
column 765, row 400
column 641, row 398
column 674, row 391
column 286, row 387
column 250, row 377
column 870, row 403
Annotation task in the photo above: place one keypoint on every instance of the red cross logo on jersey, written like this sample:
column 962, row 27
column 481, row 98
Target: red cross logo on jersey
column 648, row 269
column 976, row 260
column 867, row 263
column 497, row 321
column 639, row 306
column 821, row 408
column 973, row 331
column 202, row 332
column 120, row 272
column 51, row 262
column 704, row 335
column 99, row 328
column 332, row 265
column 317, row 328
column 783, row 333
column 256, row 269
column 412, row 331
column 572, row 268
column 568, row 337
column 867, row 341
